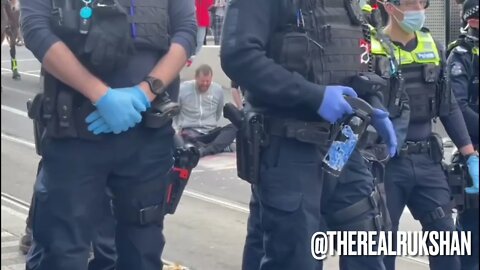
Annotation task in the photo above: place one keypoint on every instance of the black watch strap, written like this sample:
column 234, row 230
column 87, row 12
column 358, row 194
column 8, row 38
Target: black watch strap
column 156, row 85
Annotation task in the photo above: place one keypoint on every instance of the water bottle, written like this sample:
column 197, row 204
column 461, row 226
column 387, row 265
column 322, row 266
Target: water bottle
column 346, row 136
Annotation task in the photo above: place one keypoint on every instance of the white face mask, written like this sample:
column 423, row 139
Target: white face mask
column 413, row 20
column 362, row 3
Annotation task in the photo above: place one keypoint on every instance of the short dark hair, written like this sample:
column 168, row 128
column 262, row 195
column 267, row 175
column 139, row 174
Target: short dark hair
column 204, row 70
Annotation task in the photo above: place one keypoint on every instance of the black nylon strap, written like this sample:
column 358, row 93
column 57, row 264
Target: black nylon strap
column 360, row 207
column 438, row 213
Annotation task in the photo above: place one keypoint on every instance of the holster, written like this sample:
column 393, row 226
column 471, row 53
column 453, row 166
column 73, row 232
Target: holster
column 186, row 158
column 162, row 111
column 376, row 158
column 250, row 139
column 458, row 180
column 34, row 113
column 436, row 147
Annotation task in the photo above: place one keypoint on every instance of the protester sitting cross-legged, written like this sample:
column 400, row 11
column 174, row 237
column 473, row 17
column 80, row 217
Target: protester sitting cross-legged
column 201, row 104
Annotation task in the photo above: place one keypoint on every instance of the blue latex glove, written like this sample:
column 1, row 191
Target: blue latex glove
column 118, row 110
column 98, row 124
column 384, row 127
column 334, row 106
column 472, row 164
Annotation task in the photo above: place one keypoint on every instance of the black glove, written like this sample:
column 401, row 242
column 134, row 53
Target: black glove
column 108, row 44
column 368, row 84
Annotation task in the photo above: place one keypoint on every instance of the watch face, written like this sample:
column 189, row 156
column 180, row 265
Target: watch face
column 157, row 84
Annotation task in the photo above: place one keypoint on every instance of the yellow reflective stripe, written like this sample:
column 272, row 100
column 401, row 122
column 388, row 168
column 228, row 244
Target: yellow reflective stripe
column 14, row 64
column 367, row 8
column 426, row 48
column 475, row 50
column 376, row 47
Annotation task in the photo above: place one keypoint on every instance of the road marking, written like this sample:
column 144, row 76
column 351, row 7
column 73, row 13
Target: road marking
column 22, row 60
column 17, row 266
column 13, row 212
column 18, row 140
column 20, row 91
column 9, row 244
column 21, row 72
column 190, row 193
column 24, row 205
column 14, row 110
column 6, row 234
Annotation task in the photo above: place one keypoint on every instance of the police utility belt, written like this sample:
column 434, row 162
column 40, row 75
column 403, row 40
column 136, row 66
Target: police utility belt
column 60, row 112
column 255, row 129
column 433, row 146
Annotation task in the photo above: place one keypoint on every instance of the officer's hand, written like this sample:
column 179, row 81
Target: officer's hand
column 334, row 106
column 384, row 127
column 119, row 109
column 472, row 164
column 98, row 124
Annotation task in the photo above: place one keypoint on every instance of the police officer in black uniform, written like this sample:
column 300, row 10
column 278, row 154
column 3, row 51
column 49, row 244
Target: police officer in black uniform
column 294, row 63
column 107, row 119
column 463, row 74
column 408, row 55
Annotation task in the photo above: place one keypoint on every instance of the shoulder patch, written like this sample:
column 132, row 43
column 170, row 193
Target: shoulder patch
column 456, row 69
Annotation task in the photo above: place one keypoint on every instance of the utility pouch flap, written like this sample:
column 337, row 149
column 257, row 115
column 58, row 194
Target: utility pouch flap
column 431, row 73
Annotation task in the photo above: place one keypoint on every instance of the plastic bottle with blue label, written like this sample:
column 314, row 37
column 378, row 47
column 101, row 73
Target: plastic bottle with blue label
column 347, row 135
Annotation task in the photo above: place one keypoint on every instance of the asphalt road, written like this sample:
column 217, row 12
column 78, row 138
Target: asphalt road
column 208, row 230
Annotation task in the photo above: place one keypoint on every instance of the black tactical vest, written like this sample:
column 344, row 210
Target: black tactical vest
column 325, row 44
column 149, row 18
column 421, row 71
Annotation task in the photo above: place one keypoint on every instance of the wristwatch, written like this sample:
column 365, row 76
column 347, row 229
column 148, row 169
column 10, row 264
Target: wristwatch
column 156, row 85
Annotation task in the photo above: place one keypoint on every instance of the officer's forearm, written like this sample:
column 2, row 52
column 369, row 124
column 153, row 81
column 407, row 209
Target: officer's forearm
column 467, row 150
column 168, row 68
column 63, row 65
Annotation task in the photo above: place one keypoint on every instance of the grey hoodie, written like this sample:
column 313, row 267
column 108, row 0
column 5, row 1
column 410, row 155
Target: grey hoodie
column 200, row 111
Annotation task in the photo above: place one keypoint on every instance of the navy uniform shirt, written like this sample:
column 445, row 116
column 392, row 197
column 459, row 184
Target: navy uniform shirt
column 248, row 27
column 39, row 37
column 463, row 75
column 453, row 122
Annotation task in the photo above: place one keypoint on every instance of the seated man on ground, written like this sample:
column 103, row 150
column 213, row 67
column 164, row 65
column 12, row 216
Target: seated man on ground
column 201, row 105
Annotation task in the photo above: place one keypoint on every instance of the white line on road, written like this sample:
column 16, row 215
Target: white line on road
column 22, row 72
column 21, row 60
column 18, row 140
column 13, row 212
column 20, row 91
column 14, row 110
column 189, row 193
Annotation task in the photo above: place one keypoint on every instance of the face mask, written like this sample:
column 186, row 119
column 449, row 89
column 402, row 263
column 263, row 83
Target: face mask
column 412, row 20
column 362, row 3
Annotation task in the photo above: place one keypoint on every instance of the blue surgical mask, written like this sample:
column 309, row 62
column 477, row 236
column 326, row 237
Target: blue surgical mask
column 413, row 20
